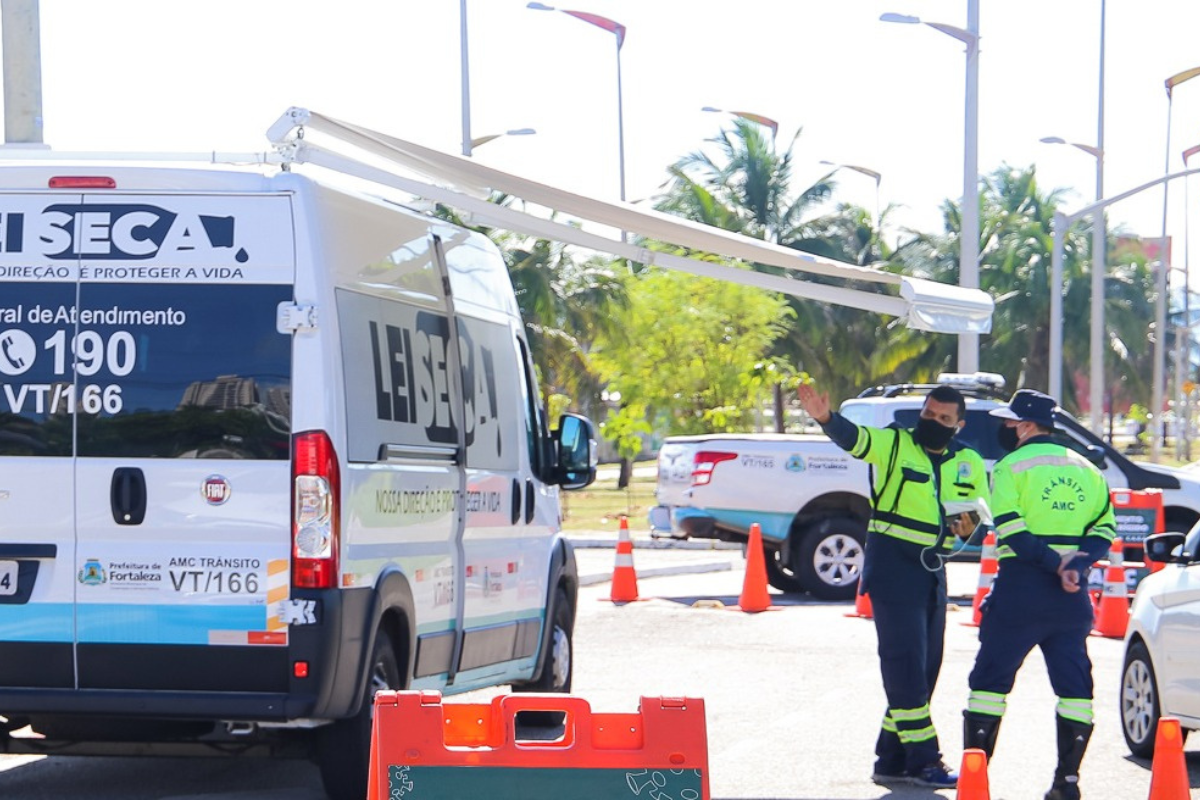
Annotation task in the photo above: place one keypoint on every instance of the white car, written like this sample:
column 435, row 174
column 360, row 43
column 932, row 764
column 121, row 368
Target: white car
column 1162, row 644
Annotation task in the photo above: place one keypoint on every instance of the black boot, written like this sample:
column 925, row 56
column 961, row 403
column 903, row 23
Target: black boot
column 1072, row 743
column 980, row 731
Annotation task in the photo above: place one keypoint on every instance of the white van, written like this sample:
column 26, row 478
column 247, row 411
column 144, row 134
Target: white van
column 266, row 446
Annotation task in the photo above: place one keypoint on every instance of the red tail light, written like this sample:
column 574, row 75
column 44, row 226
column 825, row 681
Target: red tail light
column 82, row 182
column 315, row 485
column 706, row 461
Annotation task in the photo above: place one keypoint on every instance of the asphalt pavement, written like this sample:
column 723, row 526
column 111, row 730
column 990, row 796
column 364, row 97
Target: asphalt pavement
column 595, row 553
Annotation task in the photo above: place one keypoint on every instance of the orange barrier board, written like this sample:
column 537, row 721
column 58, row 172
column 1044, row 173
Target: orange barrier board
column 424, row 750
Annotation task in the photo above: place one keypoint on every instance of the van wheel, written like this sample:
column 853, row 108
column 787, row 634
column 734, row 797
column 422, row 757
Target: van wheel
column 557, row 666
column 779, row 576
column 829, row 557
column 344, row 747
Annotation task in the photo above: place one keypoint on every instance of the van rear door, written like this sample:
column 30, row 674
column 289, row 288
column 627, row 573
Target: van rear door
column 37, row 482
column 164, row 364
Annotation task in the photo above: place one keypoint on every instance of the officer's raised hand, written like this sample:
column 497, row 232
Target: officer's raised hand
column 814, row 403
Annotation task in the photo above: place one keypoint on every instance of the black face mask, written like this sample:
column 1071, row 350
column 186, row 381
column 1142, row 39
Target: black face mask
column 933, row 435
column 1007, row 438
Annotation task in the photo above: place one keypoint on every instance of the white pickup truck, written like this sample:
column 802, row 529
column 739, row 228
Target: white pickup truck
column 812, row 501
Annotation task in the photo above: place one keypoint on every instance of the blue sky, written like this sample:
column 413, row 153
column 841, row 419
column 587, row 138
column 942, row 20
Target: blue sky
column 152, row 75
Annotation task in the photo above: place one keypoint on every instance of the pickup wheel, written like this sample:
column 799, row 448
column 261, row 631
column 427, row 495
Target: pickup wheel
column 828, row 557
column 779, row 576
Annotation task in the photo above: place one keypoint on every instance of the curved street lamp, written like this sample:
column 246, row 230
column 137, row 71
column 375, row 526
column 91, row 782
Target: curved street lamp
column 1099, row 272
column 618, row 30
column 482, row 140
column 870, row 173
column 968, row 266
column 766, row 122
column 1160, row 310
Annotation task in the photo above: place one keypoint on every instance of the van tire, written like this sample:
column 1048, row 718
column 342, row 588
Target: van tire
column 558, row 666
column 344, row 747
column 828, row 557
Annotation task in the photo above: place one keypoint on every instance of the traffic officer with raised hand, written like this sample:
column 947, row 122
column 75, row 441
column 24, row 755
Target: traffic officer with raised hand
column 1053, row 519
column 913, row 473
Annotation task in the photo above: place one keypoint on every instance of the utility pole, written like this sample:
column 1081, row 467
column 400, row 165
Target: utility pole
column 21, row 39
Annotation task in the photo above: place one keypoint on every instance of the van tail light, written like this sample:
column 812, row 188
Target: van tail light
column 705, row 462
column 315, row 484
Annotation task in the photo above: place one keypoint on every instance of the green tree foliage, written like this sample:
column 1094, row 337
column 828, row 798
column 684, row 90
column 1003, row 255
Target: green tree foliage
column 695, row 346
column 1016, row 248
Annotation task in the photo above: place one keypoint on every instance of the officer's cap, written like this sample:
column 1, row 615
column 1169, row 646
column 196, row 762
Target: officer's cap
column 1031, row 406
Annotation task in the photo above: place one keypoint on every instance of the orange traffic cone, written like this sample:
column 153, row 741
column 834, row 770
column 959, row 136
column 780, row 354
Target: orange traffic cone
column 1116, row 552
column 624, row 578
column 1112, row 613
column 973, row 777
column 1168, row 770
column 989, row 565
column 862, row 603
column 754, row 596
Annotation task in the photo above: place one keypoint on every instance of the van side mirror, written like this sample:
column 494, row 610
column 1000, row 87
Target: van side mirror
column 575, row 443
column 1161, row 547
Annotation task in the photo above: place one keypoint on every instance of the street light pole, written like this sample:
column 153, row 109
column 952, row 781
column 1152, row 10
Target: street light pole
column 618, row 30
column 968, row 259
column 466, row 78
column 1099, row 260
column 1099, row 270
column 1160, row 309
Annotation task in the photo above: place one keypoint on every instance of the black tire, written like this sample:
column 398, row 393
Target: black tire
column 558, row 664
column 781, row 577
column 828, row 557
column 1140, row 708
column 344, row 747
column 557, row 661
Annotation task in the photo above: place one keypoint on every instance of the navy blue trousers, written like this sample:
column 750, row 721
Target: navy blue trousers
column 911, row 636
column 1027, row 608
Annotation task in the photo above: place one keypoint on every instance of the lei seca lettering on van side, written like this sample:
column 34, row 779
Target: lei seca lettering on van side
column 412, row 379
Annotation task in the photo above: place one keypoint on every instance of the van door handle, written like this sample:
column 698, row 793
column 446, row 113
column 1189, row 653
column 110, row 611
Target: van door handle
column 128, row 496
column 516, row 501
column 529, row 501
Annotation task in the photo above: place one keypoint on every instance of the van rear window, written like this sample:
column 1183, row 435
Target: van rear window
column 144, row 371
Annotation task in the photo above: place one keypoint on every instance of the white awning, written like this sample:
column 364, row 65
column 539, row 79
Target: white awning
column 463, row 183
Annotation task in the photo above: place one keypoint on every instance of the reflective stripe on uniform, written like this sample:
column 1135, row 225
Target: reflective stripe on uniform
column 989, row 703
column 1077, row 709
column 913, row 724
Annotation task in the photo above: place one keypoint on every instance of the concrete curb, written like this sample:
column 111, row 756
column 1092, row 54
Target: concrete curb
column 653, row 572
column 655, row 544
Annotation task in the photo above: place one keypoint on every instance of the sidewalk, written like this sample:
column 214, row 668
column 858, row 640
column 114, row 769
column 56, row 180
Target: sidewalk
column 595, row 553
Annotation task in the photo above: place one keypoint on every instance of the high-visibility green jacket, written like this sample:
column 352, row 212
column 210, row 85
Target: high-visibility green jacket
column 909, row 488
column 1053, row 493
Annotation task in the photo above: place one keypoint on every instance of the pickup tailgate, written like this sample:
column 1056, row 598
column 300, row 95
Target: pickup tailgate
column 728, row 482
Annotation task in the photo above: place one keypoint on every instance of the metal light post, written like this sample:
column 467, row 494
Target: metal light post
column 870, row 173
column 968, row 268
column 466, row 77
column 1099, row 271
column 1187, row 310
column 766, row 122
column 1160, row 308
column 618, row 30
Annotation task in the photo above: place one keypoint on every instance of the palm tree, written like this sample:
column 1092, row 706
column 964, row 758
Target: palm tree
column 746, row 187
column 1016, row 244
column 566, row 304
